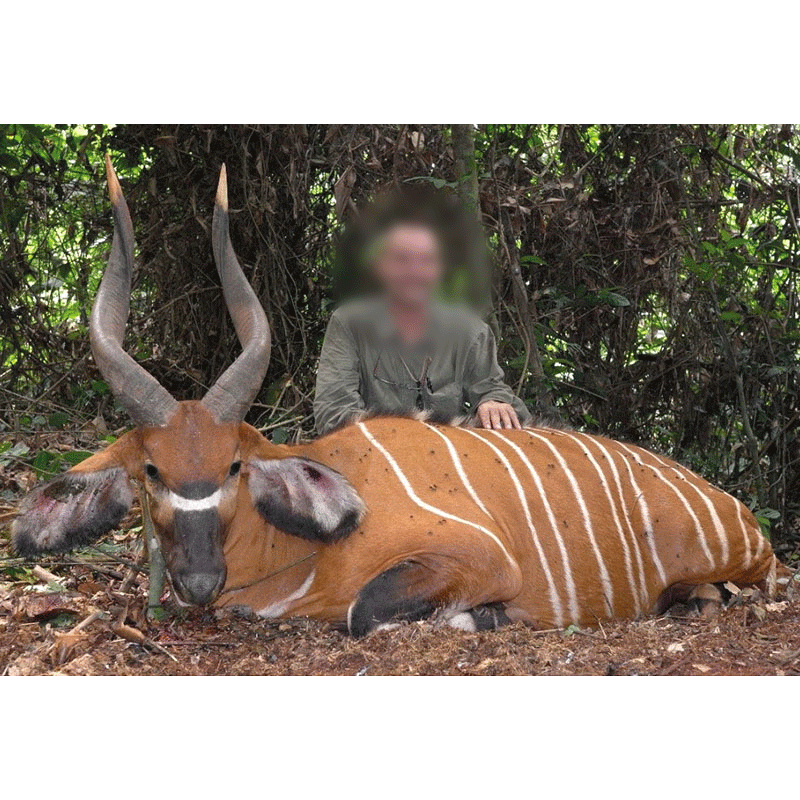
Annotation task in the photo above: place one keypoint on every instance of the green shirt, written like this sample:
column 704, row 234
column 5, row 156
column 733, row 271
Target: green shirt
column 364, row 367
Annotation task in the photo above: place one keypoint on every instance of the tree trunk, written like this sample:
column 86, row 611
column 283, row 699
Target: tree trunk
column 526, row 308
column 477, row 261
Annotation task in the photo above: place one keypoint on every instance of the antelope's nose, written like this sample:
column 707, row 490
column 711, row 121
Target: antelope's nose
column 200, row 588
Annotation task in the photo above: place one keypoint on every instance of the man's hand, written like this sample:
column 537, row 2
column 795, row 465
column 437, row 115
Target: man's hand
column 496, row 416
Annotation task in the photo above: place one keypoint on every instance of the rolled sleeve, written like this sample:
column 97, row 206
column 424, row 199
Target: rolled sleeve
column 484, row 377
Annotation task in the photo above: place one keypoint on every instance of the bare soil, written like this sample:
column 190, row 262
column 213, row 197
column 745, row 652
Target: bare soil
column 736, row 642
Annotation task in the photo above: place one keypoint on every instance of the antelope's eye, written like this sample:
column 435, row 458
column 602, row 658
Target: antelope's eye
column 152, row 471
column 235, row 467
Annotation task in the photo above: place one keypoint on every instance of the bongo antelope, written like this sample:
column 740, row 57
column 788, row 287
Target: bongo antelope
column 387, row 518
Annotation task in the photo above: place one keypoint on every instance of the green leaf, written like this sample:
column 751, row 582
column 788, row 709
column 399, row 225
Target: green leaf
column 64, row 620
column 7, row 161
column 280, row 435
column 157, row 613
column 74, row 457
column 58, row 420
column 765, row 518
column 46, row 464
column 18, row 450
column 614, row 299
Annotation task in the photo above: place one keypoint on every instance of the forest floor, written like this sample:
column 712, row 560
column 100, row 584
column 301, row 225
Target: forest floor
column 85, row 614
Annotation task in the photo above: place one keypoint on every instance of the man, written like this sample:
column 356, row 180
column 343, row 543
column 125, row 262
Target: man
column 403, row 351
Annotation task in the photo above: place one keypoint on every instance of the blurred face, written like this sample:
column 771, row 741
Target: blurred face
column 409, row 265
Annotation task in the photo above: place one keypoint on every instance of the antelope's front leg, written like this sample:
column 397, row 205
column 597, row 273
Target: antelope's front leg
column 406, row 592
column 409, row 592
column 435, row 584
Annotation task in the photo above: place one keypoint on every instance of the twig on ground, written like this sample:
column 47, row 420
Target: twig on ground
column 674, row 667
column 87, row 621
column 98, row 568
column 135, row 636
column 158, row 569
column 133, row 572
column 45, row 575
column 789, row 658
column 206, row 644
column 127, row 562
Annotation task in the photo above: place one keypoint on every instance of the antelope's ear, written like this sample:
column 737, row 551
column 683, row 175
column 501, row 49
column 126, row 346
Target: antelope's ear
column 75, row 508
column 305, row 498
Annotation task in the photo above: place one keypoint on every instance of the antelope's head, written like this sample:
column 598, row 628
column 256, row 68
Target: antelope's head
column 189, row 457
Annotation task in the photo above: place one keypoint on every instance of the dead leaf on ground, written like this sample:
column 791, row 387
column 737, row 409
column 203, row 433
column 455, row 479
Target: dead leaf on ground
column 40, row 606
column 91, row 587
column 63, row 649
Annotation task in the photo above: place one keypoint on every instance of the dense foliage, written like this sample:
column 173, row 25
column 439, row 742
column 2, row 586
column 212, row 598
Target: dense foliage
column 645, row 277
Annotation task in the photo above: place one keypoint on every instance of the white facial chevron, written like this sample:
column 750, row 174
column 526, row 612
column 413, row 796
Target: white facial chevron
column 185, row 504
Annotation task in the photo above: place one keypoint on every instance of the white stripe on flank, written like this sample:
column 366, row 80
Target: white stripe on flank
column 555, row 600
column 571, row 591
column 748, row 551
column 279, row 609
column 422, row 504
column 697, row 526
column 185, row 504
column 608, row 589
column 626, row 549
column 712, row 511
column 648, row 522
column 762, row 541
column 615, row 472
column 460, row 469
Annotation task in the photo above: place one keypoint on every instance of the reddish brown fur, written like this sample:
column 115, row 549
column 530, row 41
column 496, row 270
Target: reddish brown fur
column 467, row 567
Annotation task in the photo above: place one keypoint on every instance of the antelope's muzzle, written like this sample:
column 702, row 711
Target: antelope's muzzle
column 198, row 569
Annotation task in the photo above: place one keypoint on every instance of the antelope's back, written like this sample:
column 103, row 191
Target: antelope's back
column 598, row 528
